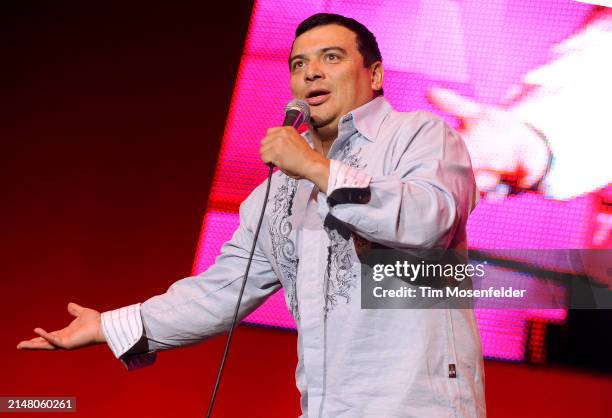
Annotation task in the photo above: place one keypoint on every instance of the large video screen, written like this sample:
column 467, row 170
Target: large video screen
column 527, row 84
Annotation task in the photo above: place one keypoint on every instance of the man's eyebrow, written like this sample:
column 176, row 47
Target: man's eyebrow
column 331, row 48
column 320, row 51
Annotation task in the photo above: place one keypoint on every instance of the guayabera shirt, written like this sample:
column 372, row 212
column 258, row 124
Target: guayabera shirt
column 400, row 180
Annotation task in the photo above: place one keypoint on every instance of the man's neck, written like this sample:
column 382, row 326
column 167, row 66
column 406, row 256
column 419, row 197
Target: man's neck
column 323, row 138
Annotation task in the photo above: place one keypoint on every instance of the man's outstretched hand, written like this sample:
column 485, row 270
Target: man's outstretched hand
column 84, row 330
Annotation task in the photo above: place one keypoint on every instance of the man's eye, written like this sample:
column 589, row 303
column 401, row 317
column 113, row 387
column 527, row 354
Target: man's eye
column 298, row 65
column 332, row 57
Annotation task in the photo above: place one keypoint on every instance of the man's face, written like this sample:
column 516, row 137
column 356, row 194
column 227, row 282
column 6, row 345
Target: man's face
column 327, row 71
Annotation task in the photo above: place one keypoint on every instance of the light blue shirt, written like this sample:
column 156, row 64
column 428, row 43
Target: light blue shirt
column 403, row 180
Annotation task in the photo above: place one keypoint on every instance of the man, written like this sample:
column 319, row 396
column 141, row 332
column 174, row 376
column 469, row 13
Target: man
column 362, row 174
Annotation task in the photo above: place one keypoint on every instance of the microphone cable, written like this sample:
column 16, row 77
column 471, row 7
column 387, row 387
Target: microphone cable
column 237, row 308
column 296, row 112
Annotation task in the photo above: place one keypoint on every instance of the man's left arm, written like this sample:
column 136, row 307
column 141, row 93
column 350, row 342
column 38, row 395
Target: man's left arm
column 429, row 192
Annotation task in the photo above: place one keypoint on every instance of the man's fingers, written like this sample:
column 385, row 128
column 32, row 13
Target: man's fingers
column 266, row 159
column 50, row 337
column 265, row 146
column 266, row 140
column 37, row 343
column 268, row 154
column 74, row 309
column 453, row 103
column 271, row 138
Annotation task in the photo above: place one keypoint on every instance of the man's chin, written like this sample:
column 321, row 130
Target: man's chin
column 319, row 122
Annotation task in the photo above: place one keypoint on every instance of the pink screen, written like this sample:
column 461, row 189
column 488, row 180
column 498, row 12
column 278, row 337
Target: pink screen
column 479, row 50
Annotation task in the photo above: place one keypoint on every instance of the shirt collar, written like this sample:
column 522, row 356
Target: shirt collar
column 367, row 118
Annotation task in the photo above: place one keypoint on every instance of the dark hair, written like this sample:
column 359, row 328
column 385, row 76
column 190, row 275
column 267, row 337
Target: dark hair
column 366, row 41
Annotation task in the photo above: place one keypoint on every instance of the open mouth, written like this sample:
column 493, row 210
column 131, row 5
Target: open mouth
column 318, row 96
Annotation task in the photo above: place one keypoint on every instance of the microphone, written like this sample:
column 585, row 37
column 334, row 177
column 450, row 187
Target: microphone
column 296, row 112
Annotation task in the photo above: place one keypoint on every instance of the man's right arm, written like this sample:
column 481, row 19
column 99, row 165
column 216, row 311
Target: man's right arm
column 193, row 309
column 199, row 307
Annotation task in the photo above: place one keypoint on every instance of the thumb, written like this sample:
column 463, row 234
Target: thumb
column 453, row 103
column 74, row 309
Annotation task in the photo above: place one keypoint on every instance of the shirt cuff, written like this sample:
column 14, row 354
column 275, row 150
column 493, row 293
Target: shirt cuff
column 122, row 328
column 342, row 176
column 347, row 184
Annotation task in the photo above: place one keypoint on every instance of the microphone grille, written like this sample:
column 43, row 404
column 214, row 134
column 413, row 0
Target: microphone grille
column 301, row 106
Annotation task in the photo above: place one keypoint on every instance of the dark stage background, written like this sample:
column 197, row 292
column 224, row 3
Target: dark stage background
column 111, row 119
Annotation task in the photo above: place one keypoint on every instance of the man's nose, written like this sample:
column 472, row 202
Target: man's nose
column 313, row 71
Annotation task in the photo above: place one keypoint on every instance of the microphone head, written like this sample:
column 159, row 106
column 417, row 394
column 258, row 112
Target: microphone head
column 301, row 106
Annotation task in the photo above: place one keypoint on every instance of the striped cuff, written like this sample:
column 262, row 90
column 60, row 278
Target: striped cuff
column 122, row 328
column 342, row 176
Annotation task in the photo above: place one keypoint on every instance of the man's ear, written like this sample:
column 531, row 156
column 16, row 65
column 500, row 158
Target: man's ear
column 377, row 72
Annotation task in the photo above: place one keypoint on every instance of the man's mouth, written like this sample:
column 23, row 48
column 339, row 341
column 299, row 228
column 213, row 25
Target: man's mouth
column 317, row 97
